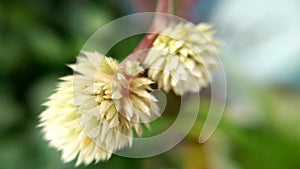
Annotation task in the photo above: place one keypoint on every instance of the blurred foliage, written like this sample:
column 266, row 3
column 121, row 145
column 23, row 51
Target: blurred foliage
column 274, row 143
column 37, row 39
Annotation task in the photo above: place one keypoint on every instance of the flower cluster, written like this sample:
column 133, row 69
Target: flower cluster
column 95, row 111
column 181, row 56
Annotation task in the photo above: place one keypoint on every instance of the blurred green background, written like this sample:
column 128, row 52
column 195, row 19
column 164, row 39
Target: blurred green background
column 260, row 127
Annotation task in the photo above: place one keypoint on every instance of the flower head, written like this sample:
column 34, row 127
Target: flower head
column 93, row 113
column 180, row 57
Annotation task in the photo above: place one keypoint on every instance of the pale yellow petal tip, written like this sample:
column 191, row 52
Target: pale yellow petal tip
column 133, row 68
column 204, row 26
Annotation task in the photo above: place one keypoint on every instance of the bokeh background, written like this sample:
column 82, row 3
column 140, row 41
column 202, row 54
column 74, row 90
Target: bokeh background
column 261, row 56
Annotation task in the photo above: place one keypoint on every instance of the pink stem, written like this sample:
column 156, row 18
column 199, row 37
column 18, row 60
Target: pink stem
column 163, row 6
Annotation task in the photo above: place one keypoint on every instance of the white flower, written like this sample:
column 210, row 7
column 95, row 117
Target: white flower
column 93, row 113
column 179, row 55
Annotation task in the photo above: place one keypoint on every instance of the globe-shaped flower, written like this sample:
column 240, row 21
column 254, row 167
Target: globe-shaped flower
column 93, row 113
column 181, row 56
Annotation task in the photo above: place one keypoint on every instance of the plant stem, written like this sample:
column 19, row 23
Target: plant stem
column 159, row 22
